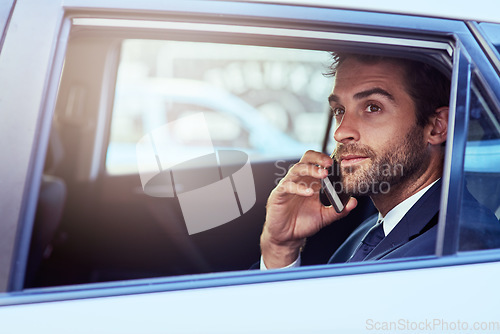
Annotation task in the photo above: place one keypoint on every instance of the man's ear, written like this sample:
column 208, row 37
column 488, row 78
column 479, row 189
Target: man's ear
column 438, row 127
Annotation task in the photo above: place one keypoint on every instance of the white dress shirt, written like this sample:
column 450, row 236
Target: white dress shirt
column 391, row 219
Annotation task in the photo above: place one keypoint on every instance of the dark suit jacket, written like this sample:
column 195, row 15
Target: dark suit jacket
column 416, row 233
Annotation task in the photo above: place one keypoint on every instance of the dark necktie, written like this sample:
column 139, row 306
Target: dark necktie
column 369, row 242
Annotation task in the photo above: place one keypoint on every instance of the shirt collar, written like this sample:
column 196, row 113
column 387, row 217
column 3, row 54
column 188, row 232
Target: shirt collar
column 393, row 217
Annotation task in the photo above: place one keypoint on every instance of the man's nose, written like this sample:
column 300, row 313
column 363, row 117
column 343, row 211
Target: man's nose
column 347, row 130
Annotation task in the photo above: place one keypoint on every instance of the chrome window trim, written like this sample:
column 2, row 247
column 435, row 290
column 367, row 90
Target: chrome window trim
column 262, row 31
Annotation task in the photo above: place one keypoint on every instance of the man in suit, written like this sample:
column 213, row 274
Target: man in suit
column 391, row 123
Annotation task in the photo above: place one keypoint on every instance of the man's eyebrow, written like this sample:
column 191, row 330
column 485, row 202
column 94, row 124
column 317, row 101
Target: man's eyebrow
column 379, row 91
column 364, row 94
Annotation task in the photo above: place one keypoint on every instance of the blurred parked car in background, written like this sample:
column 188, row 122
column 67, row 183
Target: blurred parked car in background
column 233, row 123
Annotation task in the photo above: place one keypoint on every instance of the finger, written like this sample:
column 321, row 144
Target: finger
column 316, row 158
column 316, row 185
column 302, row 170
column 303, row 183
column 289, row 187
column 353, row 202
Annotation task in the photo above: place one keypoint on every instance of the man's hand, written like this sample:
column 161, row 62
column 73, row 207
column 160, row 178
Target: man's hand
column 294, row 211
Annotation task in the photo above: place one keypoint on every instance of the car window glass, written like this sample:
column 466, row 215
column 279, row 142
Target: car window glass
column 480, row 208
column 267, row 102
column 492, row 32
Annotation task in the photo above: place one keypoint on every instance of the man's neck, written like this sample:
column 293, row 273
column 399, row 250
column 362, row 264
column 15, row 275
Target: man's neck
column 401, row 191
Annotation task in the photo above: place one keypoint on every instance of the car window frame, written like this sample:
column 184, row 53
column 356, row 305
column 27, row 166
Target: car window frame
column 36, row 98
column 447, row 240
column 343, row 18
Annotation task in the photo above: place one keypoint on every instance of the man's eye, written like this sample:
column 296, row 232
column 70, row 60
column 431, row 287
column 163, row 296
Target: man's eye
column 372, row 108
column 337, row 111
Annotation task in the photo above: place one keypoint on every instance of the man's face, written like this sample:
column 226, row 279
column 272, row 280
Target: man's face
column 378, row 141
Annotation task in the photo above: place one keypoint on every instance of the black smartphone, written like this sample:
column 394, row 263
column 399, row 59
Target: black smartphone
column 332, row 187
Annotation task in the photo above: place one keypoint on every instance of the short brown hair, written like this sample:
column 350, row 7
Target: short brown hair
column 427, row 86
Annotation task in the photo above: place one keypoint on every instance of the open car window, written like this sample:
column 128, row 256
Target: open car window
column 163, row 152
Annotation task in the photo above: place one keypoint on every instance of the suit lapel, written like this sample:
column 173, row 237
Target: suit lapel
column 416, row 221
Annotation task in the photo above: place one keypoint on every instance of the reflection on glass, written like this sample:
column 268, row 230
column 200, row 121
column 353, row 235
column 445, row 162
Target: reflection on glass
column 480, row 209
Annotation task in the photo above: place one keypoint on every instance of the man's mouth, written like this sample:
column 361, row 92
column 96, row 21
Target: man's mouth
column 351, row 160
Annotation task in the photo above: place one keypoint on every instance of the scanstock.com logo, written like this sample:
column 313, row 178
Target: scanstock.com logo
column 168, row 168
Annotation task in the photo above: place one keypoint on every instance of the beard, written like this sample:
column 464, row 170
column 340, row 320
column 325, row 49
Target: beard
column 398, row 163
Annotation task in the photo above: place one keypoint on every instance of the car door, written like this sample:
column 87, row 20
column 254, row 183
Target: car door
column 121, row 260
